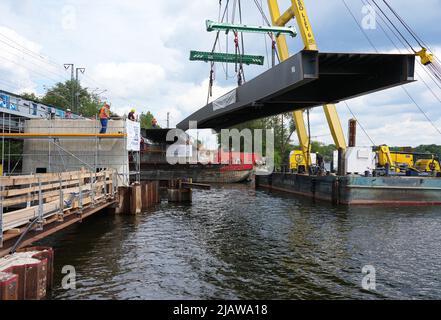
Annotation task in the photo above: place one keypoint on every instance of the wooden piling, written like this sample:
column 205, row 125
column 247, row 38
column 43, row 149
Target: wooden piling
column 138, row 198
column 145, row 201
column 135, row 199
column 158, row 193
column 124, row 200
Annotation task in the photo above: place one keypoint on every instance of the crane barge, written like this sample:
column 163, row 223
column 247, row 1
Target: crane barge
column 310, row 79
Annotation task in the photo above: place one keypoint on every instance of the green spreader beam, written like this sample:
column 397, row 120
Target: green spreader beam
column 222, row 26
column 226, row 58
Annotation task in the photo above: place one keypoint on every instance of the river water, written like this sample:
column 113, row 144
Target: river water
column 238, row 243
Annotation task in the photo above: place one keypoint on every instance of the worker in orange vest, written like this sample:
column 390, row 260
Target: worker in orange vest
column 104, row 117
column 154, row 123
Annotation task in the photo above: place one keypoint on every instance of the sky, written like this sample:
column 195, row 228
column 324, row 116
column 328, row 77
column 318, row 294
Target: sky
column 138, row 51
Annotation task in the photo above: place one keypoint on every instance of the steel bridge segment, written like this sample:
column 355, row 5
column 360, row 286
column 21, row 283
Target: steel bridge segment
column 307, row 79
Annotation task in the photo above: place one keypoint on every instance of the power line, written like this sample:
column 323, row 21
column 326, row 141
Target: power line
column 33, row 57
column 39, row 67
column 23, row 66
column 30, row 51
column 44, row 59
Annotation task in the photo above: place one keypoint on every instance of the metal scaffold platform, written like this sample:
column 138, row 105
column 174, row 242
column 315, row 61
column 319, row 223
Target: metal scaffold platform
column 62, row 145
column 62, row 135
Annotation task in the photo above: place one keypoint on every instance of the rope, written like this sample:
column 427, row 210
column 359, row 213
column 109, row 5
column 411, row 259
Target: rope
column 395, row 27
column 212, row 71
column 358, row 25
column 408, row 28
column 360, row 124
column 308, row 153
column 405, row 90
column 430, row 74
column 433, row 78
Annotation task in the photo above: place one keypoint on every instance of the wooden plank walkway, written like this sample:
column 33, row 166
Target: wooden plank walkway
column 51, row 202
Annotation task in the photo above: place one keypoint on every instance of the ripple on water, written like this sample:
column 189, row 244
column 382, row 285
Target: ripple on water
column 236, row 243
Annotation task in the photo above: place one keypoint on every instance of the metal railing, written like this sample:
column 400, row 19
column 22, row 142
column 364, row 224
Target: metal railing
column 18, row 106
column 37, row 198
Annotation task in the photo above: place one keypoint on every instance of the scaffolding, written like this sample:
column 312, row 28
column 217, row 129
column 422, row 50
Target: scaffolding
column 62, row 145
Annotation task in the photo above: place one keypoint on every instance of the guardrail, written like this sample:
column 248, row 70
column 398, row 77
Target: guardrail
column 35, row 199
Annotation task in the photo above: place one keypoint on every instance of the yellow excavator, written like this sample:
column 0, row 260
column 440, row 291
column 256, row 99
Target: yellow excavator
column 404, row 162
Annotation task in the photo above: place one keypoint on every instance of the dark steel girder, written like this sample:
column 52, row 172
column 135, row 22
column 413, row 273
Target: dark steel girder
column 308, row 79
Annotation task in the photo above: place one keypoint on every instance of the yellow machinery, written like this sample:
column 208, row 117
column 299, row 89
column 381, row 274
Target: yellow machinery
column 297, row 10
column 401, row 161
column 428, row 165
column 395, row 160
column 296, row 160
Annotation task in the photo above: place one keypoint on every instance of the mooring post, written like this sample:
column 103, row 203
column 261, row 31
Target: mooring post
column 158, row 196
column 40, row 206
column 135, row 199
column 150, row 193
column 145, row 196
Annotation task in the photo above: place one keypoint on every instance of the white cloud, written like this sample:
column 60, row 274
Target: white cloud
column 134, row 80
column 14, row 64
column 138, row 50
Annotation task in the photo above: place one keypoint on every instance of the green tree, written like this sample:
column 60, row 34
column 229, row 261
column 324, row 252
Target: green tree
column 429, row 149
column 283, row 126
column 146, row 120
column 60, row 96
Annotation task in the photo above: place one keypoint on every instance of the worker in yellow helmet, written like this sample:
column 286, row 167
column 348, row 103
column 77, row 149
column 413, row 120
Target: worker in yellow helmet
column 131, row 116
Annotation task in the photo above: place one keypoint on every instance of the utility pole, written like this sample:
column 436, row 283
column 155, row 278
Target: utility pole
column 168, row 120
column 77, row 94
column 72, row 89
